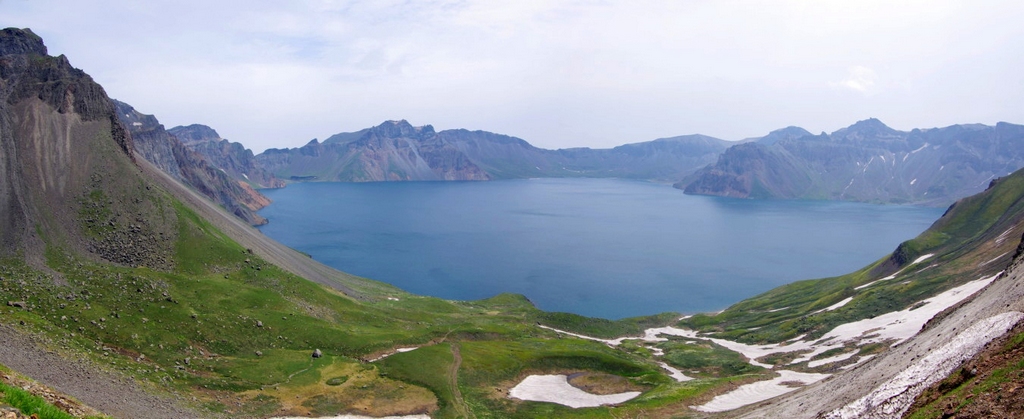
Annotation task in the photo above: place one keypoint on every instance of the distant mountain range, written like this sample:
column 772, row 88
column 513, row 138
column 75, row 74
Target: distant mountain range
column 866, row 162
column 233, row 158
column 396, row 150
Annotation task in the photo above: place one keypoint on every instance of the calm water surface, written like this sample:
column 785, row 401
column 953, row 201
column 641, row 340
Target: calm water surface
column 598, row 247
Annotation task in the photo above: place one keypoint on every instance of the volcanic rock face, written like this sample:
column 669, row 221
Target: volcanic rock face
column 169, row 154
column 60, row 143
column 233, row 158
column 867, row 162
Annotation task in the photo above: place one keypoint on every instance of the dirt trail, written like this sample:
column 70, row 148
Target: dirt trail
column 111, row 393
column 453, row 383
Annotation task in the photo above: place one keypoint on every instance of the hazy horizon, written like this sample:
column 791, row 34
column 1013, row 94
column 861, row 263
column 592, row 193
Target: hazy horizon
column 555, row 73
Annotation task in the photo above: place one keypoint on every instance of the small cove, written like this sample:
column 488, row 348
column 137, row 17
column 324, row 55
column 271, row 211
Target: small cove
column 599, row 247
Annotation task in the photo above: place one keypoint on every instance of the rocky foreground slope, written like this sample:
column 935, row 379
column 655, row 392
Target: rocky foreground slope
column 887, row 386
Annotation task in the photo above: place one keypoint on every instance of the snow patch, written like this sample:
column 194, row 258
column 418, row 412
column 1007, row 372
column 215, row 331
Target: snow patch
column 1002, row 237
column 675, row 373
column 610, row 342
column 874, row 282
column 897, row 326
column 761, row 390
column 835, row 306
column 397, row 351
column 993, row 259
column 922, row 258
column 893, row 276
column 893, row 398
column 556, row 389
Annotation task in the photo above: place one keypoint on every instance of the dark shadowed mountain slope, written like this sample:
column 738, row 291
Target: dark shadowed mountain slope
column 58, row 133
column 233, row 158
column 165, row 151
column 395, row 150
column 867, row 162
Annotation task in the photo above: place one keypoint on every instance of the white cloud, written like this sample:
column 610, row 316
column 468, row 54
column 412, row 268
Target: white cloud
column 860, row 78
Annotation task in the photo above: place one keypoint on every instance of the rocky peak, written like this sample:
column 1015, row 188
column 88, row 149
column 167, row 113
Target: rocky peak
column 400, row 129
column 195, row 133
column 54, row 81
column 787, row 133
column 868, row 128
column 14, row 41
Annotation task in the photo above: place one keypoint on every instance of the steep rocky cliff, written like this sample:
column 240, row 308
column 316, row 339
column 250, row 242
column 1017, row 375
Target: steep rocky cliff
column 867, row 162
column 69, row 178
column 165, row 151
column 395, row 150
column 233, row 158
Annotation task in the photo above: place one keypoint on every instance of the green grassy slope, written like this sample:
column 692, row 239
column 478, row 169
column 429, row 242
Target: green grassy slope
column 229, row 328
column 975, row 238
column 236, row 332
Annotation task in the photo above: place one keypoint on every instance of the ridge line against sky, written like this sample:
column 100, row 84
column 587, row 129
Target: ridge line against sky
column 555, row 73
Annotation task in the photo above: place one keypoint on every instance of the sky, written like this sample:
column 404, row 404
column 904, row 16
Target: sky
column 557, row 73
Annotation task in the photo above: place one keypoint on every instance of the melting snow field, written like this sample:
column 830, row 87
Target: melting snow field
column 761, row 390
column 893, row 398
column 397, row 351
column 556, row 389
column 896, row 327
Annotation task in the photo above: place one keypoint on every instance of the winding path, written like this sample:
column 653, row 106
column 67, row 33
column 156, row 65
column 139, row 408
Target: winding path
column 453, row 384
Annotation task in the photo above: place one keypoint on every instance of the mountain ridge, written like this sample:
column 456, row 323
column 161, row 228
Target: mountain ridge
column 231, row 157
column 158, row 146
column 462, row 154
column 867, row 162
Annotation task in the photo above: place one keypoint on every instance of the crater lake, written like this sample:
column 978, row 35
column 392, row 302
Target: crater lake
column 607, row 248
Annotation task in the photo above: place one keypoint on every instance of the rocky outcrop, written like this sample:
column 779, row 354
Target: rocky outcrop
column 166, row 152
column 69, row 176
column 867, row 162
column 233, row 158
column 395, row 150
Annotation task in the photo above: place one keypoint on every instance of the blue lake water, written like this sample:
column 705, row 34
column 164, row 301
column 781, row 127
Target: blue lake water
column 599, row 247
